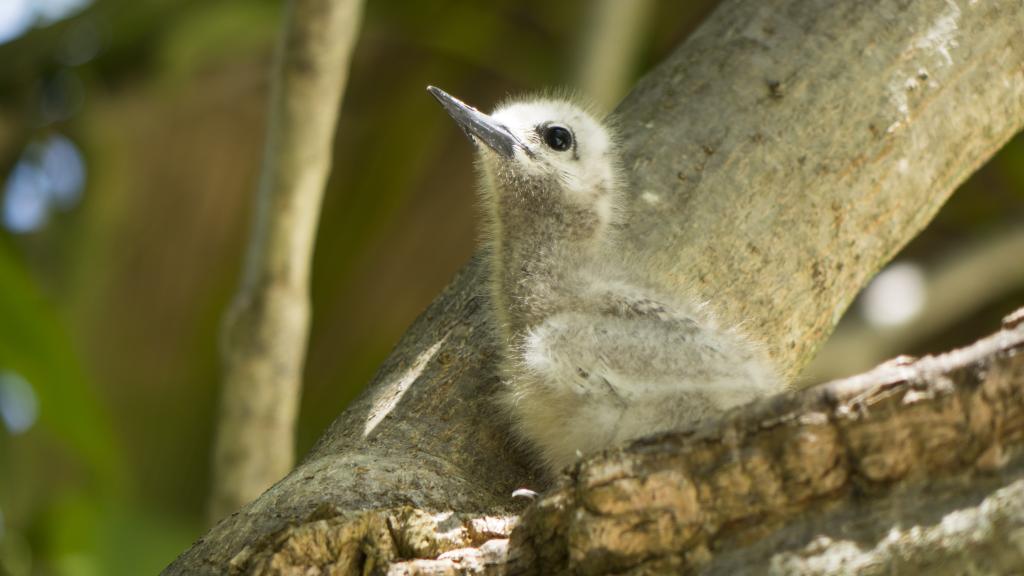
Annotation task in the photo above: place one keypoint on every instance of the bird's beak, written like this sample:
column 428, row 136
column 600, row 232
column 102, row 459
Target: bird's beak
column 477, row 124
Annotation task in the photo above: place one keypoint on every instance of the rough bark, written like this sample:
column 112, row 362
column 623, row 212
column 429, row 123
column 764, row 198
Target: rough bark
column 914, row 467
column 858, row 475
column 265, row 331
column 776, row 160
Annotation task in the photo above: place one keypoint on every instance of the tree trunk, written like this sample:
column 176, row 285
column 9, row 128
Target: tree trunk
column 776, row 159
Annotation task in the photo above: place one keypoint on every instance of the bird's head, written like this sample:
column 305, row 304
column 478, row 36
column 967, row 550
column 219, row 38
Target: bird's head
column 543, row 152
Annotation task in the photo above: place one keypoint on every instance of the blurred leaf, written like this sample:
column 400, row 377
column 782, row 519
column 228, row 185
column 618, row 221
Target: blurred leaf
column 111, row 538
column 35, row 344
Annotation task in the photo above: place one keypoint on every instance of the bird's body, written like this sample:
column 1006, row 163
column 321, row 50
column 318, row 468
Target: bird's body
column 593, row 356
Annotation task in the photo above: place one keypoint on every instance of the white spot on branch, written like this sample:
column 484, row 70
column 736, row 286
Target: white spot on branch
column 937, row 41
column 941, row 36
column 391, row 393
column 651, row 198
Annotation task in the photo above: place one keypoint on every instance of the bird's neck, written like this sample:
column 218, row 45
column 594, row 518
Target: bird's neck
column 539, row 244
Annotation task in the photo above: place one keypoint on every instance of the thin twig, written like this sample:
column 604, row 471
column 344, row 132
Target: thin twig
column 265, row 331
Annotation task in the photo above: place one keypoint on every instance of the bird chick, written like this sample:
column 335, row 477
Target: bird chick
column 592, row 355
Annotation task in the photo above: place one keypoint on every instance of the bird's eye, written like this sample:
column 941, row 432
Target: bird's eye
column 558, row 138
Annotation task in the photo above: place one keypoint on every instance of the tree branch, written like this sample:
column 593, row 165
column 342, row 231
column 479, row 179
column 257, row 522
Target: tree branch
column 904, row 468
column 265, row 331
column 781, row 481
column 776, row 160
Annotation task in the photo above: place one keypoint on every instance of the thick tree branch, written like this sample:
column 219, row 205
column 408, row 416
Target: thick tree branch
column 781, row 480
column 264, row 333
column 913, row 467
column 776, row 160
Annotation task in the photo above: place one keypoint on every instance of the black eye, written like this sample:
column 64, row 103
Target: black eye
column 558, row 138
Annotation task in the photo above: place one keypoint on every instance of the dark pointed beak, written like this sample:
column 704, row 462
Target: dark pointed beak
column 477, row 124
